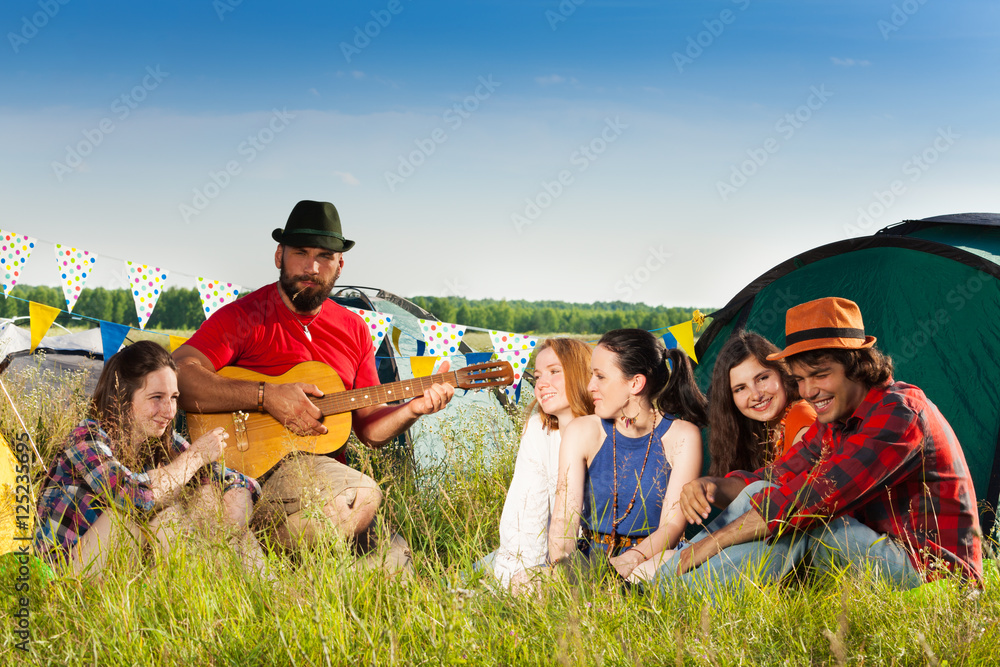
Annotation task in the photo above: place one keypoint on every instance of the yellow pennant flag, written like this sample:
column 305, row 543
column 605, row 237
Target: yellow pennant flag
column 422, row 366
column 42, row 317
column 395, row 338
column 176, row 342
column 684, row 333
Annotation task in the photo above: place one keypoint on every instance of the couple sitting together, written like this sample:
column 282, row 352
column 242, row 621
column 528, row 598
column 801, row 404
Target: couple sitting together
column 817, row 457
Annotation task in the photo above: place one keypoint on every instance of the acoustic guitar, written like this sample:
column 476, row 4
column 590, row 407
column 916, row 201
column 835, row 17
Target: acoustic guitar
column 261, row 441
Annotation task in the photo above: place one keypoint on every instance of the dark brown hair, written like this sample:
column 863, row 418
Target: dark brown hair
column 735, row 441
column 673, row 390
column 574, row 356
column 868, row 366
column 111, row 406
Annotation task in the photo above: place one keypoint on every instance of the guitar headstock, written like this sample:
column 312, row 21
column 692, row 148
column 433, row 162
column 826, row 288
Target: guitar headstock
column 482, row 376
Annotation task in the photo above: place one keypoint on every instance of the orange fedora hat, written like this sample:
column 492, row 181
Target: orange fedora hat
column 822, row 324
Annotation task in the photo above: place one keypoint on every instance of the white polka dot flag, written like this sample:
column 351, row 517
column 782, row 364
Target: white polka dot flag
column 515, row 349
column 215, row 294
column 442, row 338
column 14, row 252
column 147, row 284
column 378, row 324
column 74, row 266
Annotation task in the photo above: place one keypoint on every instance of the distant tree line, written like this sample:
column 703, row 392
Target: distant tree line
column 180, row 308
column 553, row 316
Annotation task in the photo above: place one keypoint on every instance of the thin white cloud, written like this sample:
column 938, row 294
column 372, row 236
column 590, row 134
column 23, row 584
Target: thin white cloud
column 314, row 92
column 347, row 177
column 849, row 62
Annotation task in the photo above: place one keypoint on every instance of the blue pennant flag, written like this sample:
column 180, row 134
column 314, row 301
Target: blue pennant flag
column 112, row 337
column 669, row 341
column 472, row 358
column 421, row 346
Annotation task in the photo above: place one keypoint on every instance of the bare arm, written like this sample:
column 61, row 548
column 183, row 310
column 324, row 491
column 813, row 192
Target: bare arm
column 573, row 455
column 167, row 480
column 751, row 526
column 701, row 494
column 378, row 425
column 682, row 445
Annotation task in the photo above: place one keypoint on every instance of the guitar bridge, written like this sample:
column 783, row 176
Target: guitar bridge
column 240, row 430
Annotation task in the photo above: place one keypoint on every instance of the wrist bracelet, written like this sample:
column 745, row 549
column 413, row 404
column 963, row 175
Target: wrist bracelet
column 260, row 397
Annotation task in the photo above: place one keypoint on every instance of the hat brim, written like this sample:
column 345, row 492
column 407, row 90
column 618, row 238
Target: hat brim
column 311, row 241
column 823, row 344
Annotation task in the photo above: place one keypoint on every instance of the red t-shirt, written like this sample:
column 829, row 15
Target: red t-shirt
column 260, row 333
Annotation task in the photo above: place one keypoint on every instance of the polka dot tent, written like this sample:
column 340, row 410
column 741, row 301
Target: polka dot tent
column 442, row 338
column 14, row 252
column 74, row 267
column 215, row 294
column 378, row 324
column 147, row 284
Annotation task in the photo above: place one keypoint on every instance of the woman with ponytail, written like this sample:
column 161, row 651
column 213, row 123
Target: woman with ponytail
column 621, row 470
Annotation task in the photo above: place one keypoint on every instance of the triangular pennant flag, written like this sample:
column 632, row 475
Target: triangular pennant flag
column 422, row 366
column 377, row 323
column 147, row 284
column 442, row 338
column 669, row 341
column 421, row 345
column 518, row 360
column 684, row 335
column 395, row 339
column 176, row 342
column 42, row 317
column 14, row 252
column 504, row 341
column 74, row 267
column 215, row 294
column 472, row 358
column 112, row 337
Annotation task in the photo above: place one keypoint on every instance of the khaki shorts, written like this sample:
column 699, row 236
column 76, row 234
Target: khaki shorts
column 309, row 482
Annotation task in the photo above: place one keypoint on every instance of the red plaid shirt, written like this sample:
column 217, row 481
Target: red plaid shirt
column 896, row 466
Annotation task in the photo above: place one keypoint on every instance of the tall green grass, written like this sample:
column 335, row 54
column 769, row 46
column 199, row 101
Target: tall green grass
column 199, row 608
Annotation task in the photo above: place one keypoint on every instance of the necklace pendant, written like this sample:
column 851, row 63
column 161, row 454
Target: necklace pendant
column 306, row 330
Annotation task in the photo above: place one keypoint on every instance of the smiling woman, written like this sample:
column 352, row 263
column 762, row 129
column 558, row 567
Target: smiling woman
column 118, row 483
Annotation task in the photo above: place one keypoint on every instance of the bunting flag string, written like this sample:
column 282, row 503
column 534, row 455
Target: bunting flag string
column 215, row 294
column 683, row 334
column 15, row 250
column 146, row 287
column 442, row 338
column 518, row 360
column 422, row 366
column 396, row 331
column 42, row 317
column 504, row 341
column 176, row 342
column 377, row 323
column 112, row 337
column 74, row 266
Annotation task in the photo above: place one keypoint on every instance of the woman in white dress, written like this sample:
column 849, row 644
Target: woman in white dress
column 562, row 370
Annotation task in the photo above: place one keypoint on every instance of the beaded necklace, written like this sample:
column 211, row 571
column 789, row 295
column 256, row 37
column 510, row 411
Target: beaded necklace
column 615, row 519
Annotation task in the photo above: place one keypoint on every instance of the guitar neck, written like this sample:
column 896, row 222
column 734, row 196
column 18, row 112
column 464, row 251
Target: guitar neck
column 345, row 401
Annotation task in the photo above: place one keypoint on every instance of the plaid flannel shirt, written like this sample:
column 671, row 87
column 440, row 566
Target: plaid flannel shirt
column 896, row 466
column 85, row 478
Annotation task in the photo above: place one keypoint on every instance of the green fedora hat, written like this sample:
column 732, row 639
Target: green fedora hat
column 314, row 224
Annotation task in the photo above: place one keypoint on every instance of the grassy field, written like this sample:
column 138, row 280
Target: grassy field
column 199, row 608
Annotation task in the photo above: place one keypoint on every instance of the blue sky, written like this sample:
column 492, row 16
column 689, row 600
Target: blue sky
column 647, row 151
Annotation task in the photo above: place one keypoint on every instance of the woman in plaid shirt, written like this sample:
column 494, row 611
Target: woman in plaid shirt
column 119, row 481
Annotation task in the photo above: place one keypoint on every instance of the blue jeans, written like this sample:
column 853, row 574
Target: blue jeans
column 843, row 542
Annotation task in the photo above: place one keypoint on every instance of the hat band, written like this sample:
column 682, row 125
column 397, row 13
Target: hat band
column 823, row 332
column 316, row 232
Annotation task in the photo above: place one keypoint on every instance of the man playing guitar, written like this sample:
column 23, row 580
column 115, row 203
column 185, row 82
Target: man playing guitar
column 272, row 330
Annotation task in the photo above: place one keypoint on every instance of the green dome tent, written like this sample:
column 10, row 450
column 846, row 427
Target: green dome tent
column 929, row 290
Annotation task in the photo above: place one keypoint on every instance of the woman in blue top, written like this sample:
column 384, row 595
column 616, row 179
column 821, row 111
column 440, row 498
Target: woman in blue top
column 621, row 470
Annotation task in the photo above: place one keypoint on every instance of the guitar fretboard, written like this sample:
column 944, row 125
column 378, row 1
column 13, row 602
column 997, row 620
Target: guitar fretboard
column 346, row 401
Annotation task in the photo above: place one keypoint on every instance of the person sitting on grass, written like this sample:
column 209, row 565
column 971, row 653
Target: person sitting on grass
column 880, row 484
column 125, row 479
column 621, row 470
column 754, row 411
column 562, row 368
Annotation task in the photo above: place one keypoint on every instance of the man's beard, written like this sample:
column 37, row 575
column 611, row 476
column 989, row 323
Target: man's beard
column 305, row 299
